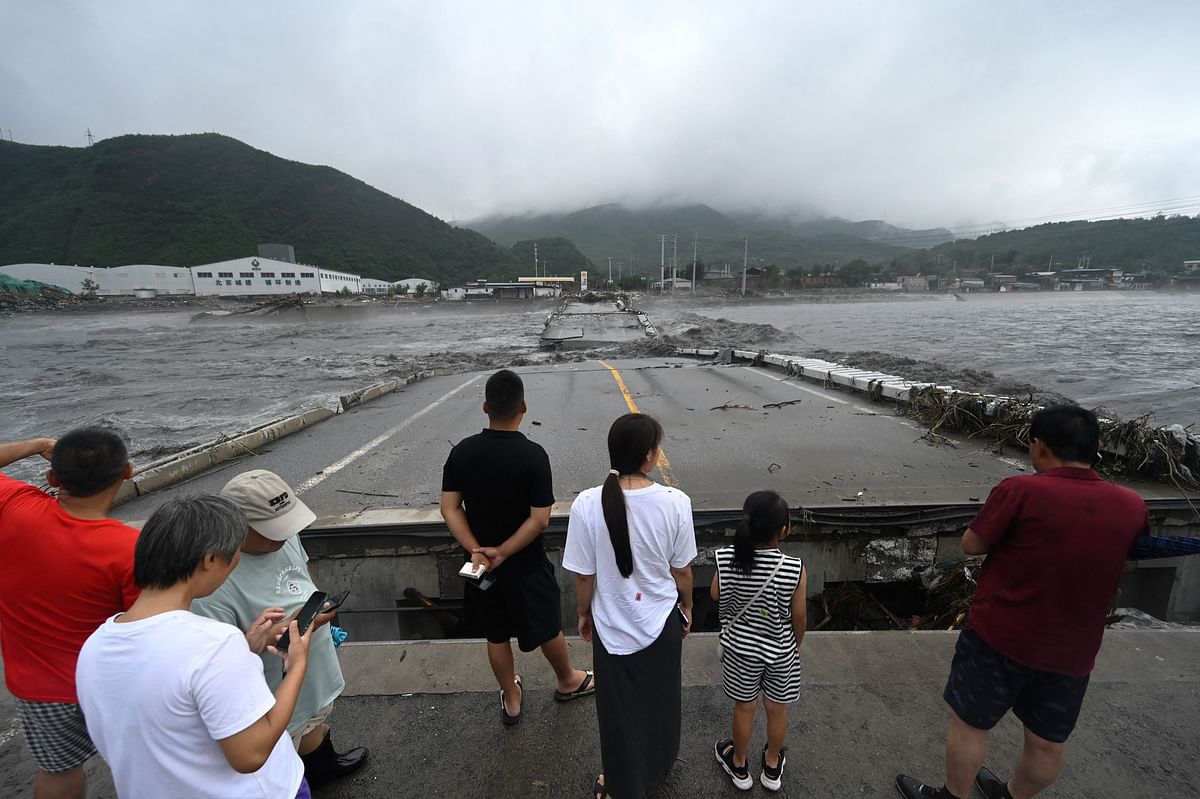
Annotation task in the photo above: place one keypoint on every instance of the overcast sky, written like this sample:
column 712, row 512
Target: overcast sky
column 923, row 113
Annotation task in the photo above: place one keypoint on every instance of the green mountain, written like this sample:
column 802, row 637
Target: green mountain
column 187, row 200
column 632, row 236
column 1160, row 244
column 869, row 229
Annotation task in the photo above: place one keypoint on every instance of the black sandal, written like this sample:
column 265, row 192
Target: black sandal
column 504, row 716
column 598, row 790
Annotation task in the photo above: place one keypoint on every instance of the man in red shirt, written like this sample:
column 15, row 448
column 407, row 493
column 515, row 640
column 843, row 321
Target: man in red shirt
column 1056, row 543
column 66, row 569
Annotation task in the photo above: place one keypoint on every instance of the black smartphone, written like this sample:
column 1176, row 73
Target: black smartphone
column 307, row 613
column 335, row 601
column 683, row 619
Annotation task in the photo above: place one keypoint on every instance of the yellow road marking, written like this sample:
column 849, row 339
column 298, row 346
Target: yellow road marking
column 664, row 463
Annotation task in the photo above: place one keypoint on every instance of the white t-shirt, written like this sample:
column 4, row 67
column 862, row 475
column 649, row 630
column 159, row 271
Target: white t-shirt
column 629, row 613
column 160, row 692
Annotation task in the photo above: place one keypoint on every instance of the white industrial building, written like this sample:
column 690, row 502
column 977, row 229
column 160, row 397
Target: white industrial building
column 255, row 276
column 150, row 279
column 373, row 287
column 333, row 281
column 411, row 283
column 252, row 276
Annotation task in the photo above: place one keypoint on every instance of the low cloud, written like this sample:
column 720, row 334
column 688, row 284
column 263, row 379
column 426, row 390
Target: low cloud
column 930, row 113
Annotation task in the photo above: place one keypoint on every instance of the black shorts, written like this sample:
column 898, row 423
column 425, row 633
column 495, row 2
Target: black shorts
column 984, row 685
column 524, row 604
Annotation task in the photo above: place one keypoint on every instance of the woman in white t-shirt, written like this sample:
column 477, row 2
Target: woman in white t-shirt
column 177, row 703
column 630, row 543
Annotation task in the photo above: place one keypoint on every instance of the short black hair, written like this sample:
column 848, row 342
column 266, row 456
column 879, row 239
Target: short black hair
column 88, row 460
column 1072, row 433
column 504, row 393
column 180, row 533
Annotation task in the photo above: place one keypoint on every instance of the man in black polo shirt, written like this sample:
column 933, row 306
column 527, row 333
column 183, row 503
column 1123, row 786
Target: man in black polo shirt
column 504, row 481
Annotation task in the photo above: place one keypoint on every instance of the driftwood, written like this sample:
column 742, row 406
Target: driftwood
column 1128, row 448
column 728, row 406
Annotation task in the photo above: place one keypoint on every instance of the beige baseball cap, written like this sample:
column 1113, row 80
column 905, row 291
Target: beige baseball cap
column 270, row 505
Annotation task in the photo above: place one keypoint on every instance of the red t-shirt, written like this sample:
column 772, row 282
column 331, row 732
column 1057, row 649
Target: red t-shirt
column 1059, row 540
column 60, row 578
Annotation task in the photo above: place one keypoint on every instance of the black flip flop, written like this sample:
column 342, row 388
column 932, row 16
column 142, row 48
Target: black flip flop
column 586, row 688
column 504, row 717
column 599, row 791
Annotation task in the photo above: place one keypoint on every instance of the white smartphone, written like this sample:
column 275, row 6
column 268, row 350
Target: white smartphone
column 472, row 571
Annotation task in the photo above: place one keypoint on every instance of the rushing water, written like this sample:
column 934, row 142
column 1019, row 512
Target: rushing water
column 170, row 382
column 1132, row 353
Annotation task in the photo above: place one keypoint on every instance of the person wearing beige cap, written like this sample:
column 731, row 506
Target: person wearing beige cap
column 273, row 573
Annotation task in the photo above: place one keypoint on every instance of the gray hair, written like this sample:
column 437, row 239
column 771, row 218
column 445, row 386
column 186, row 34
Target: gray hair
column 180, row 533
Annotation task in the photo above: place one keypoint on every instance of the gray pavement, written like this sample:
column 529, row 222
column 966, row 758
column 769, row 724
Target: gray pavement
column 819, row 451
column 871, row 707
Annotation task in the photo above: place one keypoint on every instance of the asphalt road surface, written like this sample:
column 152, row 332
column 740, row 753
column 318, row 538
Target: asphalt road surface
column 871, row 707
column 820, row 447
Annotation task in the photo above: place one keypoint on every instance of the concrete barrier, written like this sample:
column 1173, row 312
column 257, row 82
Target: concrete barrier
column 201, row 459
column 367, row 394
column 196, row 460
column 880, row 386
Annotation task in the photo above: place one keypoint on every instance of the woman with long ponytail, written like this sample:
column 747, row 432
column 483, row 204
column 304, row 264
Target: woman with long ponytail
column 630, row 542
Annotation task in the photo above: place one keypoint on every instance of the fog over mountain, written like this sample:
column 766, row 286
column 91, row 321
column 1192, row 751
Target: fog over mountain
column 924, row 114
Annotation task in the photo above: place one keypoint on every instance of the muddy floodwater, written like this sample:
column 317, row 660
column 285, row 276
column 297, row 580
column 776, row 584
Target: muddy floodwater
column 170, row 381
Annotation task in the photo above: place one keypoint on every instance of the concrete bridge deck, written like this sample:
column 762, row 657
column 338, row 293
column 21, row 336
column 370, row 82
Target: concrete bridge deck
column 816, row 446
column 871, row 707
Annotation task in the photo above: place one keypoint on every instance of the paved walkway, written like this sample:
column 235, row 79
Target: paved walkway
column 872, row 707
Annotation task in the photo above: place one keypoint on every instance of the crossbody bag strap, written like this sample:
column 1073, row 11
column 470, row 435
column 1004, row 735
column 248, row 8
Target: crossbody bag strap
column 759, row 593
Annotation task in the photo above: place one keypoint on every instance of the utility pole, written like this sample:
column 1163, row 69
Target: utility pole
column 535, row 274
column 663, row 260
column 695, row 240
column 745, row 264
column 674, row 262
column 610, row 271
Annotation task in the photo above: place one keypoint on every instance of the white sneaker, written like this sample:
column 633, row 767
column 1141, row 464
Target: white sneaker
column 772, row 778
column 739, row 776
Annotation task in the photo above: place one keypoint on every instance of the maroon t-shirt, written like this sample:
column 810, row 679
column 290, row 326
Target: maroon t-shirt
column 1059, row 540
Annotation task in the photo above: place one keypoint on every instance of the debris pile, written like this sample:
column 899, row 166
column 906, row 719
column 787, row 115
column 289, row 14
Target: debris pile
column 27, row 295
column 935, row 598
column 862, row 606
column 1133, row 448
column 950, row 587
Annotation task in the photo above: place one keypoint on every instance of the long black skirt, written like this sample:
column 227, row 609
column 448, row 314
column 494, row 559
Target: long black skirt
column 638, row 707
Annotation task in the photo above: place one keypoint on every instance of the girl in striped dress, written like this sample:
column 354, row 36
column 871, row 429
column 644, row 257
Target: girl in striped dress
column 761, row 594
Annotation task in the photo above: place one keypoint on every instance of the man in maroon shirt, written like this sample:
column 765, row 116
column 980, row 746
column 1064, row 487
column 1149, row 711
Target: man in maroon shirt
column 1056, row 543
